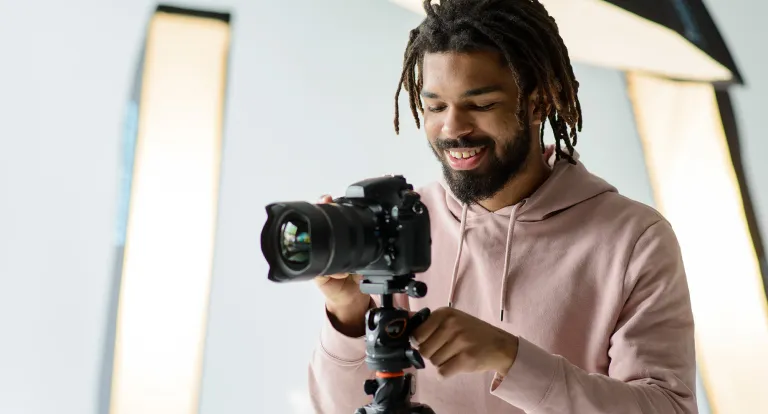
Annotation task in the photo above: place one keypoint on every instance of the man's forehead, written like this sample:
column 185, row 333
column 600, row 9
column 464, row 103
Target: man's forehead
column 472, row 73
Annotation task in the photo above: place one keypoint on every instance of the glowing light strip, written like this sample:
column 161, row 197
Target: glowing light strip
column 602, row 34
column 171, row 226
column 695, row 187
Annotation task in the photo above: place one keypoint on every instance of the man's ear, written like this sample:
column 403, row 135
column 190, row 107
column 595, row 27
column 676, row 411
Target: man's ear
column 539, row 107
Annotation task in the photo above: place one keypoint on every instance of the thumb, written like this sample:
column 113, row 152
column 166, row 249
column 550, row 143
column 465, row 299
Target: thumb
column 325, row 199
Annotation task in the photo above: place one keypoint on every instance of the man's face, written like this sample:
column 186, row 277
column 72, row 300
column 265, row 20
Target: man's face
column 470, row 106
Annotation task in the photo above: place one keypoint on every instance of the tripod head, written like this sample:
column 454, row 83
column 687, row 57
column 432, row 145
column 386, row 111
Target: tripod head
column 388, row 349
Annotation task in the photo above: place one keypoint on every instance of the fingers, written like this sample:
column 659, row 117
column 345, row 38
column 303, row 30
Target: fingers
column 454, row 365
column 441, row 337
column 325, row 199
column 426, row 329
column 445, row 347
column 321, row 280
column 439, row 346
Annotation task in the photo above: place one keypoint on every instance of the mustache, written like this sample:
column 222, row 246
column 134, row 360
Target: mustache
column 444, row 144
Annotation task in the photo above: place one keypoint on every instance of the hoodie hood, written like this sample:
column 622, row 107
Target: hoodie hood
column 568, row 185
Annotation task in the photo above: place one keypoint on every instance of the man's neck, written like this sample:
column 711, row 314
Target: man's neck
column 519, row 187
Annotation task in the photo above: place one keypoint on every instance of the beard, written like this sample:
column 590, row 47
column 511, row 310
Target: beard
column 483, row 183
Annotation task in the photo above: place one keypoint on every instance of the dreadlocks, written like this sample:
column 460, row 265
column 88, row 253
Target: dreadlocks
column 529, row 42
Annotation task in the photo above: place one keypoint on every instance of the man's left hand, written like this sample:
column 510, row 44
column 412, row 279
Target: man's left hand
column 456, row 342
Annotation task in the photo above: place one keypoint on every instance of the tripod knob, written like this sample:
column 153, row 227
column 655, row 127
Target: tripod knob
column 414, row 357
column 417, row 319
column 370, row 386
column 416, row 289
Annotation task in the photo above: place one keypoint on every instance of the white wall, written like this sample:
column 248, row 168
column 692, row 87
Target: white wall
column 64, row 75
column 300, row 84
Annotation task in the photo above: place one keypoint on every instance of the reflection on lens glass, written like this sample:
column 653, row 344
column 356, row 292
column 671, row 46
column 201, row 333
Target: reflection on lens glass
column 295, row 243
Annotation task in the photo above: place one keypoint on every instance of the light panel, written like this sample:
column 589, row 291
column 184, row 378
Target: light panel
column 171, row 217
column 695, row 187
column 601, row 34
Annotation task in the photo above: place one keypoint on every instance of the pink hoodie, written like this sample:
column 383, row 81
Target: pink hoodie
column 592, row 283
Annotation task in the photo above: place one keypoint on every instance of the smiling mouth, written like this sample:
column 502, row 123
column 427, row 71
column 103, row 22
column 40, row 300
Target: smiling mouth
column 464, row 153
column 465, row 159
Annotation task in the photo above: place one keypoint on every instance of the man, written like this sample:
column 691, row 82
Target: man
column 550, row 292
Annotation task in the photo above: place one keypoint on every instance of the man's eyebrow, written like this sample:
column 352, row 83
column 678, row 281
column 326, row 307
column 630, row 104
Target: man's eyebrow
column 428, row 94
column 481, row 91
column 472, row 92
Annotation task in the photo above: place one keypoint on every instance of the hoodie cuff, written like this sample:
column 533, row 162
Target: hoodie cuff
column 528, row 382
column 339, row 347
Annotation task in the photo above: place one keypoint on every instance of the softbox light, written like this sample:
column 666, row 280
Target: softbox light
column 691, row 20
column 166, row 225
column 684, row 134
column 676, row 39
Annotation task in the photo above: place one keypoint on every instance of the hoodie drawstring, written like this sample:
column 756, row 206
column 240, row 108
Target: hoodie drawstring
column 462, row 228
column 454, row 276
column 504, row 274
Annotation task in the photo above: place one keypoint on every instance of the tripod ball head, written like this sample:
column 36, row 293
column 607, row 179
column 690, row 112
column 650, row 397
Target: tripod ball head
column 388, row 347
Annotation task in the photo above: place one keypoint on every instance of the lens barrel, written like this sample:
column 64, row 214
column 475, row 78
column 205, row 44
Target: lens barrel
column 302, row 240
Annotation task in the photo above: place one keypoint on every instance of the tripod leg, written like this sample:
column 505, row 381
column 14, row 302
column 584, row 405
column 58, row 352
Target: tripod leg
column 393, row 396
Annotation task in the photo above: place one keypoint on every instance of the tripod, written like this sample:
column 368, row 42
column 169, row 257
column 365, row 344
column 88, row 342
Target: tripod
column 388, row 349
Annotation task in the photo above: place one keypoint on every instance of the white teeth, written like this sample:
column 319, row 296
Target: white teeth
column 468, row 154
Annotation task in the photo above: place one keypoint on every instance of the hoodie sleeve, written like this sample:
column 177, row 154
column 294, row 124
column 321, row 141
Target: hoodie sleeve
column 653, row 363
column 337, row 369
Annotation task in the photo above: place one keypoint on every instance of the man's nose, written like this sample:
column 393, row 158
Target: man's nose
column 457, row 124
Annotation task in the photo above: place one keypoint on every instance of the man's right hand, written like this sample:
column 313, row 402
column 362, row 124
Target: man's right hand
column 345, row 303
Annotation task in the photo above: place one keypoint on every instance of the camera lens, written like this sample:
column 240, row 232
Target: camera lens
column 301, row 240
column 295, row 242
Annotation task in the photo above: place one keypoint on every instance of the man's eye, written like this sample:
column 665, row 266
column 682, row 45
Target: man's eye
column 435, row 108
column 484, row 107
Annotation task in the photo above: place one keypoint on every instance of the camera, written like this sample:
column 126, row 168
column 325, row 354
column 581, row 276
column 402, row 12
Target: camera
column 380, row 229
